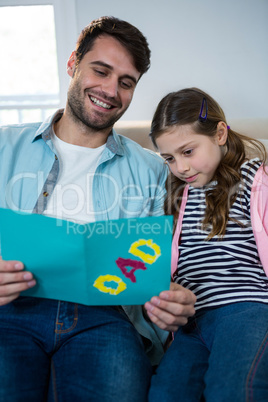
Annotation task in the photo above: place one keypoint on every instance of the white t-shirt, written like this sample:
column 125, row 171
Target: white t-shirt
column 72, row 195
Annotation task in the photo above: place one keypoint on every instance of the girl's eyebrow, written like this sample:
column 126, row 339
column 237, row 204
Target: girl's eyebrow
column 186, row 145
column 164, row 154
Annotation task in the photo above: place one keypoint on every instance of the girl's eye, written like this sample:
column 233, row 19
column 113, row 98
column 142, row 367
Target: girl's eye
column 168, row 160
column 188, row 152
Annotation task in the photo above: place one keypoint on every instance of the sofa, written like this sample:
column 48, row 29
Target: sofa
column 139, row 130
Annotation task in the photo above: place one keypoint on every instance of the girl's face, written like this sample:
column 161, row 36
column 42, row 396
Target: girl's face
column 192, row 157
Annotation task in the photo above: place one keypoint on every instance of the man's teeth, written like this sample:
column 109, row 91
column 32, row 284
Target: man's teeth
column 99, row 103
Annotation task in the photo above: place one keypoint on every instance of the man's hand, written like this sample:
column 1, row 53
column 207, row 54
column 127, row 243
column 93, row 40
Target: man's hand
column 171, row 308
column 13, row 280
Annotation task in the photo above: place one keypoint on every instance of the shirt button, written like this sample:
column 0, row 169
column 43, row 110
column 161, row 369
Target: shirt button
column 45, row 194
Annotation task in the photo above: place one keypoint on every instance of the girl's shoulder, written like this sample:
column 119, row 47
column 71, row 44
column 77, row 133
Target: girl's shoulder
column 251, row 164
column 249, row 169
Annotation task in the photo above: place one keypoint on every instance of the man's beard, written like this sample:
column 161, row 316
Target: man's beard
column 79, row 114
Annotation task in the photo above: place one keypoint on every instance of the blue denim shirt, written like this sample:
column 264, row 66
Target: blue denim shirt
column 128, row 182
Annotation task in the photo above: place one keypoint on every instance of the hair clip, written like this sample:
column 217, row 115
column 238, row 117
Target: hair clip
column 202, row 117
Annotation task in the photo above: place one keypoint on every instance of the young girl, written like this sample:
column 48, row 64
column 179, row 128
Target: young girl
column 219, row 199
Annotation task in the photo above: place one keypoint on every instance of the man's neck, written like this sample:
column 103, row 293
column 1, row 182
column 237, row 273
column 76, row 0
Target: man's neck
column 78, row 134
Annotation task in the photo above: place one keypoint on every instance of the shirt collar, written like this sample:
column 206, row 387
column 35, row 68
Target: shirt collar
column 114, row 143
column 44, row 131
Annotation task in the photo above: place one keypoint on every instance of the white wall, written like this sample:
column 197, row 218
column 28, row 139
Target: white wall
column 220, row 46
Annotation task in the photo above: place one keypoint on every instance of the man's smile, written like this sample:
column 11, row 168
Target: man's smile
column 97, row 102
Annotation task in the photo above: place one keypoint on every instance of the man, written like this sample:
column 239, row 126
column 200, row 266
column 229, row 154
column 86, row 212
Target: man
column 63, row 351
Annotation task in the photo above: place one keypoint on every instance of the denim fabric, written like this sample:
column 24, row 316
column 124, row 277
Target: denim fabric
column 220, row 355
column 78, row 353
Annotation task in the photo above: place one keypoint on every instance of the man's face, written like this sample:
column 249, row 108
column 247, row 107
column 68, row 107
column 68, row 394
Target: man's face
column 103, row 84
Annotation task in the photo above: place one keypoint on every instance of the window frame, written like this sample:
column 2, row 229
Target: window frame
column 66, row 34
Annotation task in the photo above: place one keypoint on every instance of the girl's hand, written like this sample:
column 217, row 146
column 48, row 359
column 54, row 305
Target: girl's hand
column 171, row 308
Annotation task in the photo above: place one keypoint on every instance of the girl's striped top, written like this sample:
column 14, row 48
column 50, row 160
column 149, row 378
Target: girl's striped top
column 222, row 271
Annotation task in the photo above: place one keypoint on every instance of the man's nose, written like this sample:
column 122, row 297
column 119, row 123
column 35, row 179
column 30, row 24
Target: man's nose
column 110, row 87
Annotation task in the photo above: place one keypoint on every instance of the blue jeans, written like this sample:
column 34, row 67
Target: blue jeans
column 59, row 351
column 220, row 355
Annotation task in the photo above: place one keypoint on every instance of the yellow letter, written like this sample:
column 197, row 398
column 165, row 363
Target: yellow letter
column 100, row 284
column 148, row 258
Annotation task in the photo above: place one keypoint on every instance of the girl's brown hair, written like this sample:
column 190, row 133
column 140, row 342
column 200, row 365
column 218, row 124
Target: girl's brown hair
column 184, row 107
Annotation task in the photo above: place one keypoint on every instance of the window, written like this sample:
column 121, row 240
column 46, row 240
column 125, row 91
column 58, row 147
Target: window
column 33, row 79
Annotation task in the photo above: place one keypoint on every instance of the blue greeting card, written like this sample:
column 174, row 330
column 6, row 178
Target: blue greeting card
column 116, row 262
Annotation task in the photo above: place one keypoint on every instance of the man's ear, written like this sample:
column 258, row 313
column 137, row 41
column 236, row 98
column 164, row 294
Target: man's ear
column 71, row 64
column 222, row 133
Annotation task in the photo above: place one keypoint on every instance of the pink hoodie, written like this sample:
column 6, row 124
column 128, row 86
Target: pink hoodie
column 259, row 219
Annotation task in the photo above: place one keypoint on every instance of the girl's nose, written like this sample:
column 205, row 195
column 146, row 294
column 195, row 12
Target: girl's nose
column 182, row 165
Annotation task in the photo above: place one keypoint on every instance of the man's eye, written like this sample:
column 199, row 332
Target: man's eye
column 99, row 72
column 126, row 84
